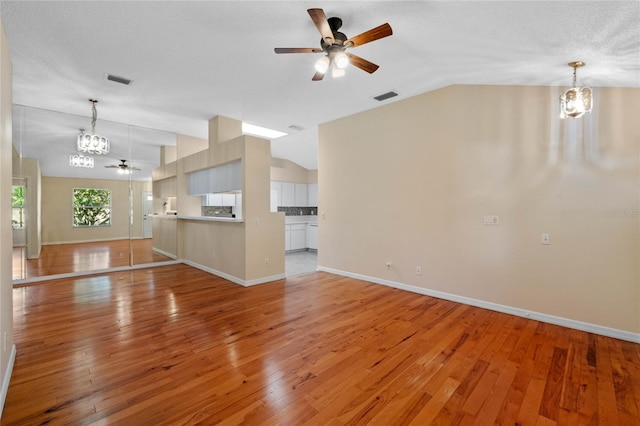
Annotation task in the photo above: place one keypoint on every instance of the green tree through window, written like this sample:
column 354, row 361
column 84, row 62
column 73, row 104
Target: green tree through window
column 91, row 207
column 17, row 207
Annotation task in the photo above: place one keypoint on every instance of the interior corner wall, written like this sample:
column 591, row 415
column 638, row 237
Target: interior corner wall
column 287, row 171
column 411, row 182
column 6, row 154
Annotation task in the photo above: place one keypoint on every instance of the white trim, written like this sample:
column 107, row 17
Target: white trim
column 538, row 316
column 164, row 253
column 7, row 379
column 94, row 272
column 232, row 278
column 50, row 243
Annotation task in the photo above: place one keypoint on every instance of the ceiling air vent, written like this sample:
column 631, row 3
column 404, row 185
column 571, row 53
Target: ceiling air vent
column 117, row 79
column 296, row 127
column 385, row 96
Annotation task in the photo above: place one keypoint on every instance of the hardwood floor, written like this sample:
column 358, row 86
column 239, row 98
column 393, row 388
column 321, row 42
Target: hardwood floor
column 83, row 257
column 174, row 345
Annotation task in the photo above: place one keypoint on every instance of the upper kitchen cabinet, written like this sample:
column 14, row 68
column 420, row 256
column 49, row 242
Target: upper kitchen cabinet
column 312, row 195
column 300, row 195
column 288, row 194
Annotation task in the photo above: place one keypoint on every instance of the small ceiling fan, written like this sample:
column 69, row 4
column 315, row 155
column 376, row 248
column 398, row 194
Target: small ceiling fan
column 334, row 45
column 123, row 167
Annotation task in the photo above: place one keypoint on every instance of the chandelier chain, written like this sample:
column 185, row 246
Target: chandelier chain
column 95, row 116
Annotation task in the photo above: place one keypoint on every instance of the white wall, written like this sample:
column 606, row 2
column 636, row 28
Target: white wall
column 411, row 181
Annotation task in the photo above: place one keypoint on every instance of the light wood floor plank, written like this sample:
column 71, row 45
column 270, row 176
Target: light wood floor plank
column 174, row 345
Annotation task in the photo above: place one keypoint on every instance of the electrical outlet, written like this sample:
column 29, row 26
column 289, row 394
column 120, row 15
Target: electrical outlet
column 545, row 239
column 388, row 264
column 266, row 262
column 418, row 270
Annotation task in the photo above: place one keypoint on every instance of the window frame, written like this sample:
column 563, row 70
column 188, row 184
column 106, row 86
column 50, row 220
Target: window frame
column 108, row 207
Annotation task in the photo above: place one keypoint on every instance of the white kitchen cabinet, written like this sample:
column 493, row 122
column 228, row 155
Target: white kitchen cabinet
column 298, row 236
column 277, row 187
column 288, row 194
column 300, row 195
column 212, row 200
column 312, row 236
column 312, row 195
column 219, row 200
column 287, row 237
column 229, row 200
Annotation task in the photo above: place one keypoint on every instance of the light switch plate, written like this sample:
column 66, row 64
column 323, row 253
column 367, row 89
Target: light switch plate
column 491, row 220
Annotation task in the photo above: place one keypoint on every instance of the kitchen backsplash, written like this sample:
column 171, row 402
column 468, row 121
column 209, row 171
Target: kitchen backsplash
column 214, row 211
column 299, row 211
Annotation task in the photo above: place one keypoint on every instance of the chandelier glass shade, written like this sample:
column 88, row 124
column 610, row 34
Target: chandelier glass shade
column 576, row 101
column 79, row 160
column 93, row 143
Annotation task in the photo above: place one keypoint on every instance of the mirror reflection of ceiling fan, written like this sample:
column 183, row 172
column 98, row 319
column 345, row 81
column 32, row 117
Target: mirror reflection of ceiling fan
column 334, row 45
column 123, row 167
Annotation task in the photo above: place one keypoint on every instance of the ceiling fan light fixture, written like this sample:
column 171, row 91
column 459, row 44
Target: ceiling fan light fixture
column 322, row 64
column 341, row 60
column 336, row 71
column 92, row 143
column 576, row 101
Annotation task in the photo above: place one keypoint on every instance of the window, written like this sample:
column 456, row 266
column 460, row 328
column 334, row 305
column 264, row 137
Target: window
column 91, row 207
column 17, row 207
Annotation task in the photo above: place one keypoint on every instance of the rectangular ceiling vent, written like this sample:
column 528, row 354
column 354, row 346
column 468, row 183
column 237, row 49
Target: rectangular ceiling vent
column 120, row 80
column 385, row 96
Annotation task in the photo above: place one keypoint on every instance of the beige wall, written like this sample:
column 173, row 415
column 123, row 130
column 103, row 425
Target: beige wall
column 251, row 251
column 57, row 210
column 6, row 285
column 410, row 182
column 287, row 171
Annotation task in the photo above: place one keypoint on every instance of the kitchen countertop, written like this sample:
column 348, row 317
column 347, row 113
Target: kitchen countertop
column 212, row 218
column 288, row 220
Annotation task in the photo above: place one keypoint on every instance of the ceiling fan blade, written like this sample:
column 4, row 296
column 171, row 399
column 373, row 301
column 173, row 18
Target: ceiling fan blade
column 317, row 76
column 297, row 50
column 112, row 167
column 373, row 34
column 361, row 63
column 319, row 18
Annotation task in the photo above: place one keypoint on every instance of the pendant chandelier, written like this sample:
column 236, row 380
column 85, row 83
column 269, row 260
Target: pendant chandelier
column 577, row 100
column 92, row 143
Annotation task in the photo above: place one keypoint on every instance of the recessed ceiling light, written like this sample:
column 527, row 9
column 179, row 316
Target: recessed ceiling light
column 297, row 127
column 251, row 129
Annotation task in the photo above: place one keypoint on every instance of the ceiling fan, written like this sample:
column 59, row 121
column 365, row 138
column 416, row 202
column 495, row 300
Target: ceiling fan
column 334, row 45
column 123, row 167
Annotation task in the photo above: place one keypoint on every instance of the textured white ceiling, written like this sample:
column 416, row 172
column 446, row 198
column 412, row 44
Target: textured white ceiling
column 191, row 61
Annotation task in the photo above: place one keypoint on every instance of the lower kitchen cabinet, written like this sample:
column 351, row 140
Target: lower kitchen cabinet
column 298, row 236
column 312, row 236
column 295, row 236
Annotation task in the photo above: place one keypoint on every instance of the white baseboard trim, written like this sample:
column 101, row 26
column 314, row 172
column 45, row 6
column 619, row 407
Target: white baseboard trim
column 164, row 253
column 94, row 272
column 538, row 316
column 7, row 379
column 232, row 278
column 51, row 243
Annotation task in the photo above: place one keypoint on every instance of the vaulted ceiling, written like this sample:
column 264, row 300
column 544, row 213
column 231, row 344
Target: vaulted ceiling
column 190, row 61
